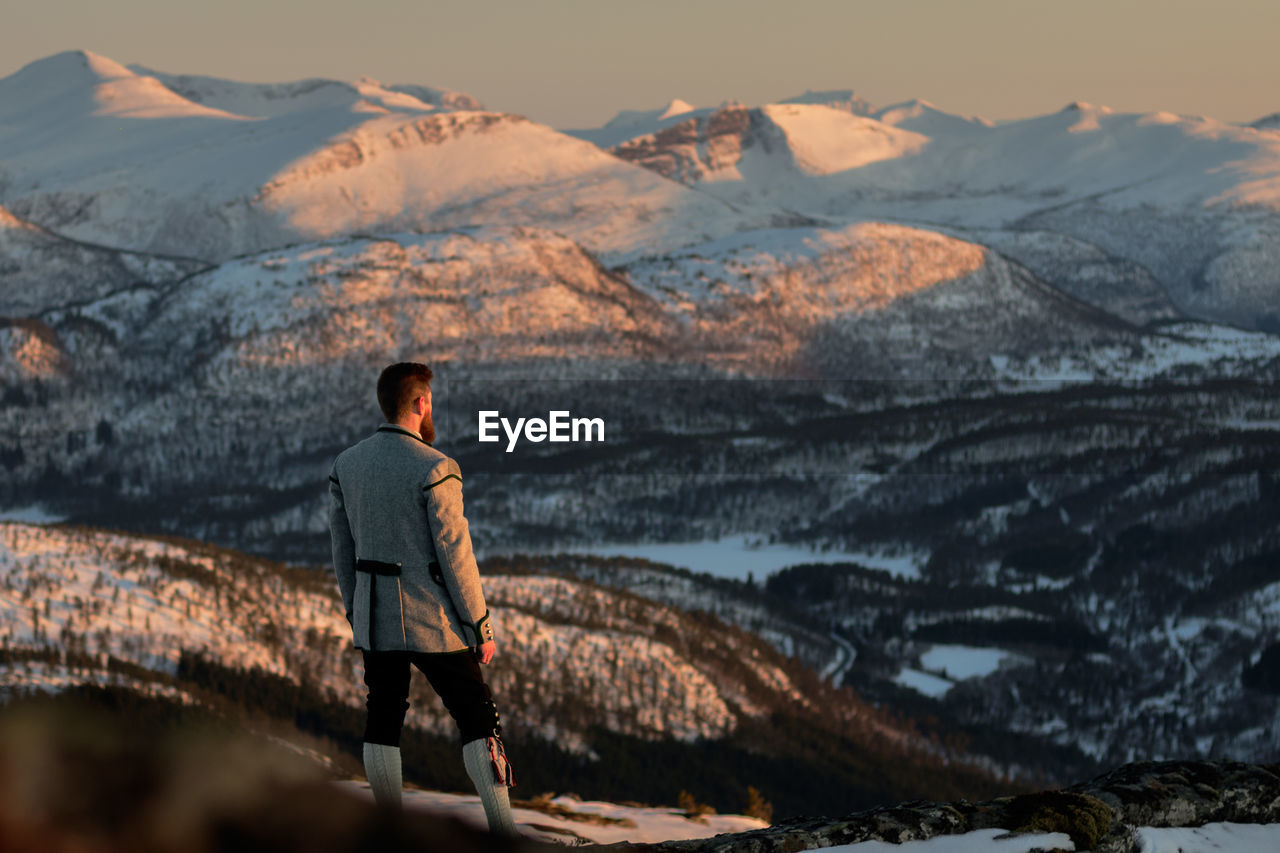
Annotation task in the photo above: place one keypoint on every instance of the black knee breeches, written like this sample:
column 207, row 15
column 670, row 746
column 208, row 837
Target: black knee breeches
column 456, row 678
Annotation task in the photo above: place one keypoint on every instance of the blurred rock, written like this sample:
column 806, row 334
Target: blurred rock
column 74, row 780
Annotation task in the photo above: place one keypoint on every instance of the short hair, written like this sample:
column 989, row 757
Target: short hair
column 399, row 385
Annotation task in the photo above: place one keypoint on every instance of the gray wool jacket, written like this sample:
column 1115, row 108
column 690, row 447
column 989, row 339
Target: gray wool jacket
column 402, row 549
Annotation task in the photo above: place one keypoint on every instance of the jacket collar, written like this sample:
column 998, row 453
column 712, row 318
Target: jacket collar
column 402, row 431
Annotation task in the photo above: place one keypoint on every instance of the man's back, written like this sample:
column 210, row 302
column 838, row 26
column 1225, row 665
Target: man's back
column 401, row 545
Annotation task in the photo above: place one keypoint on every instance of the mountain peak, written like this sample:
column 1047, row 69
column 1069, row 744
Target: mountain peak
column 677, row 107
column 1267, row 122
column 840, row 99
column 96, row 85
column 76, row 64
column 924, row 117
column 1084, row 107
column 628, row 118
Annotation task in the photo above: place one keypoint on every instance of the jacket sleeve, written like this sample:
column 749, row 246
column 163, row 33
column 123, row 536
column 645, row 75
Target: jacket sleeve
column 344, row 545
column 443, row 491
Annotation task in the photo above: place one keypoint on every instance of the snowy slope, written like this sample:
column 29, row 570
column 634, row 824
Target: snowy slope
column 40, row 271
column 1118, row 285
column 923, row 117
column 463, row 296
column 80, row 82
column 266, row 100
column 167, row 174
column 573, row 655
column 869, row 299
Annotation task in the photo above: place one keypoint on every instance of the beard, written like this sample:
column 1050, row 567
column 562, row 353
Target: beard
column 428, row 429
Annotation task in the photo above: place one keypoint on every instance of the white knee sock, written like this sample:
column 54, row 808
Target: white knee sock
column 382, row 766
column 493, row 796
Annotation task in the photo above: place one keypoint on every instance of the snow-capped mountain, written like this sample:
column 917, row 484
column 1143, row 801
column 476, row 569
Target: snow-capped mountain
column 1191, row 200
column 929, row 160
column 209, row 168
column 756, row 155
column 167, row 174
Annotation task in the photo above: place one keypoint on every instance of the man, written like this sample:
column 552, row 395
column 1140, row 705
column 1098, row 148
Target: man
column 411, row 589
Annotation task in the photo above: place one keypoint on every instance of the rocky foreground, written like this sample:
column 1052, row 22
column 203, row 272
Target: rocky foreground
column 71, row 780
column 1100, row 815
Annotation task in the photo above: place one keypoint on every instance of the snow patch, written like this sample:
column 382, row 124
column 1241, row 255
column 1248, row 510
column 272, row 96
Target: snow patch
column 980, row 841
column 728, row 557
column 923, row 682
column 30, row 514
column 961, row 662
column 1230, row 837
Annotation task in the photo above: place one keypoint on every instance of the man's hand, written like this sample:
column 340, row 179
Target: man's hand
column 486, row 651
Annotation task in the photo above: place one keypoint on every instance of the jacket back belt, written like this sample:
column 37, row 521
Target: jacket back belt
column 377, row 567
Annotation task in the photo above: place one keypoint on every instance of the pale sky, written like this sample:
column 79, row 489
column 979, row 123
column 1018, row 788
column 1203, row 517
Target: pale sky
column 574, row 63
